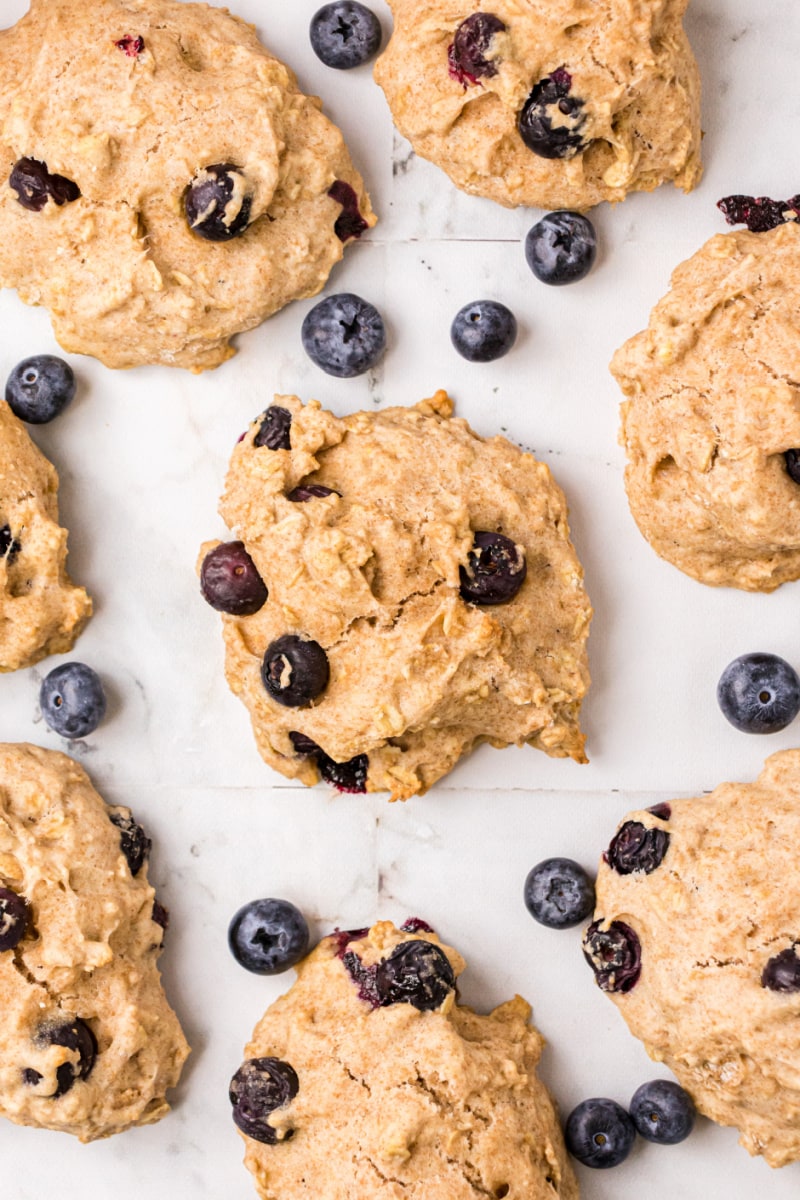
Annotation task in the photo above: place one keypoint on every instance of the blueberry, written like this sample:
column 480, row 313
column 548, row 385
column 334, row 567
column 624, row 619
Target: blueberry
column 35, row 185
column 230, row 582
column 483, row 331
column 662, row 1112
column 599, row 1133
column 134, row 843
column 268, row 936
column 614, row 954
column 130, row 45
column 495, row 570
column 303, row 745
column 792, row 460
column 759, row 213
column 72, row 1035
column 39, row 388
column 365, row 978
column 634, row 847
column 782, row 973
column 295, row 670
column 217, row 202
column 349, row 223
column 274, row 429
column 14, row 913
column 416, row 973
column 350, row 776
column 416, row 925
column 310, row 491
column 759, row 693
column 558, row 893
column 72, row 700
column 9, row 546
column 344, row 335
column 466, row 56
column 259, row 1087
column 561, row 248
column 551, row 120
column 160, row 915
column 345, row 34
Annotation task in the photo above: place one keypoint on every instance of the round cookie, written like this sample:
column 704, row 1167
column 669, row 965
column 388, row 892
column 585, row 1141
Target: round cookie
column 606, row 94
column 398, row 1089
column 712, row 410
column 373, row 573
column 41, row 610
column 126, row 106
column 88, row 1044
column 697, row 938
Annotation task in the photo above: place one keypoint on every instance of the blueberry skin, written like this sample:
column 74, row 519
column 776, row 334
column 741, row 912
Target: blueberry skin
column 72, row 1035
column 230, row 582
column 599, row 1133
column 39, row 388
column 483, row 331
column 133, row 841
column 782, row 973
column 416, row 973
column 274, row 431
column 345, row 34
column 559, row 893
column 344, row 335
column 662, row 1112
column 496, row 569
column 759, row 693
column 259, row 1087
column 561, row 248
column 14, row 914
column 268, row 936
column 215, row 208
column 295, row 671
column 72, row 700
column 35, row 185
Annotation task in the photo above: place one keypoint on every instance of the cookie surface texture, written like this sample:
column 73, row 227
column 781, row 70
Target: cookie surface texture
column 607, row 93
column 396, row 1101
column 713, row 901
column 127, row 104
column 41, row 610
column 89, row 1043
column 372, row 573
column 712, row 409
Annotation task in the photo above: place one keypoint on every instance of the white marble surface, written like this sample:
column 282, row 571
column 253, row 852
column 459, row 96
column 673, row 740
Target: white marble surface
column 142, row 456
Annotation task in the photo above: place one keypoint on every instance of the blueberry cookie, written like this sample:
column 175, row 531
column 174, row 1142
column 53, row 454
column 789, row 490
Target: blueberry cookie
column 400, row 590
column 167, row 184
column 697, row 939
column 551, row 103
column 89, row 1044
column 369, row 1079
column 41, row 610
column 711, row 423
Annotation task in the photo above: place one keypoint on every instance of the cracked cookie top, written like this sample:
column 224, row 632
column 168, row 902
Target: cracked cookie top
column 396, row 1089
column 167, row 184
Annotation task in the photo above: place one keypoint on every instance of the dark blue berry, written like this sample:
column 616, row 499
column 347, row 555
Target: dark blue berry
column 310, row 491
column 345, row 34
column 134, row 843
column 599, row 1133
column 268, row 936
column 495, row 570
column 416, row 973
column 295, row 671
column 561, row 248
column 759, row 693
column 416, row 925
column 558, row 893
column 466, row 56
column 363, row 977
column 782, row 973
column 274, row 429
column 303, row 745
column 72, row 700
column 14, row 913
column 9, row 546
column 792, row 460
column 230, row 582
column 72, row 1035
column 550, row 98
column 614, row 954
column 759, row 213
column 259, row 1087
column 35, row 185
column 349, row 223
column 634, row 847
column 483, row 331
column 160, row 915
column 344, row 335
column 662, row 1112
column 350, row 776
column 39, row 388
column 217, row 202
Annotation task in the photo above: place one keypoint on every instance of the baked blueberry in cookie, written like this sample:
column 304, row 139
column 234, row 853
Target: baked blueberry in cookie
column 467, row 55
column 552, row 118
column 259, row 1087
column 295, row 670
column 14, row 916
column 218, row 202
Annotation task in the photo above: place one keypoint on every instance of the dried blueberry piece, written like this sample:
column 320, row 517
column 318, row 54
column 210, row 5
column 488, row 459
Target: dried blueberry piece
column 274, row 430
column 662, row 1112
column 303, row 745
column 310, row 491
column 132, row 46
column 133, row 841
column 466, row 56
column 295, row 670
column 259, row 1087
column 416, row 925
column 550, row 98
column 349, row 223
column 792, row 460
column 495, row 570
column 782, row 973
column 217, row 202
column 268, row 936
column 72, row 700
column 14, row 913
column 558, row 893
column 614, row 954
column 416, row 973
column 30, row 1077
column 758, row 213
column 350, row 776
column 9, row 546
column 634, row 847
column 345, row 34
column 662, row 811
column 39, row 388
column 599, row 1133
column 73, row 1035
column 344, row 335
column 230, row 582
column 34, row 185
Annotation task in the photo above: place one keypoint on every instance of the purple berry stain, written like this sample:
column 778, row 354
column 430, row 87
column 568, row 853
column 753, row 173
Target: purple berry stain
column 350, row 223
column 466, row 55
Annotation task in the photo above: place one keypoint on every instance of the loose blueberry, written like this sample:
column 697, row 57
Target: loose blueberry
column 782, row 973
column 466, row 56
column 662, row 1112
column 615, row 956
column 295, row 671
column 495, row 570
column 416, row 973
column 561, row 248
column 349, row 223
column 550, row 99
column 14, row 913
column 134, row 843
column 310, row 491
column 73, row 1035
column 34, row 185
column 230, row 582
column 132, row 46
column 259, row 1087
column 599, row 1133
column 759, row 213
column 344, row 335
column 483, row 331
column 759, row 693
column 217, row 202
column 558, row 893
column 345, row 34
column 268, row 936
column 72, row 700
column 792, row 460
column 9, row 546
column 350, row 776
column 634, row 847
column 39, row 388
column 274, row 430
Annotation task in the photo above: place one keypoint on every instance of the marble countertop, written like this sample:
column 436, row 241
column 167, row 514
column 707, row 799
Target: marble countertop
column 142, row 456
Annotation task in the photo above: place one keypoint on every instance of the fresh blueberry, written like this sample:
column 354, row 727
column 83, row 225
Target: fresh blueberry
column 599, row 1133
column 662, row 1112
column 230, row 582
column 39, row 388
column 349, row 223
column 782, row 973
column 614, row 954
column 558, row 893
column 495, row 570
column 34, row 185
column 134, row 843
column 344, row 335
column 759, row 693
column 274, row 431
column 310, row 491
column 217, row 202
column 268, row 936
column 72, row 700
column 295, row 670
column 14, row 913
column 466, row 56
column 72, row 1035
column 561, row 248
column 483, row 331
column 9, row 546
column 759, row 213
column 634, row 847
column 416, row 973
column 259, row 1087
column 551, row 119
column 345, row 34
